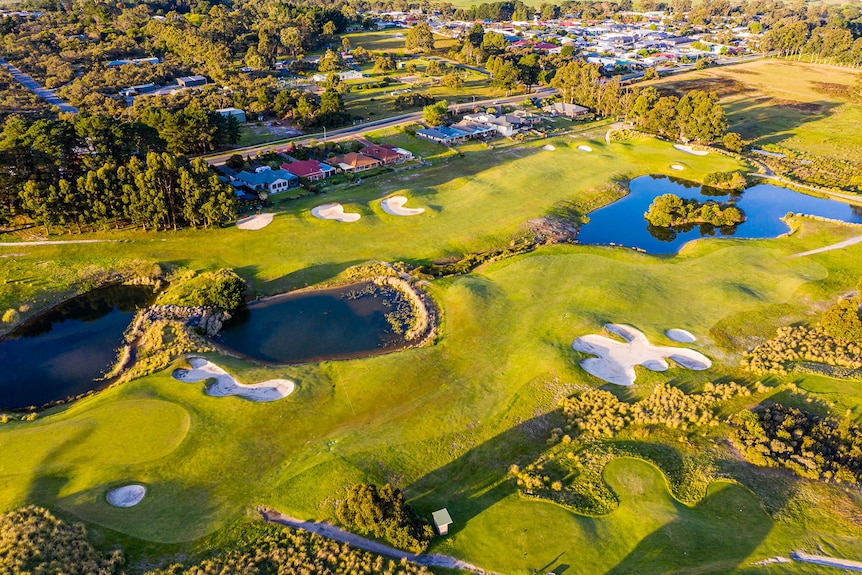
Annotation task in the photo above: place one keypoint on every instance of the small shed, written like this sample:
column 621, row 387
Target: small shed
column 442, row 521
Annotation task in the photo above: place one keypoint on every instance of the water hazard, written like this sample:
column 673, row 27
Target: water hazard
column 66, row 351
column 623, row 223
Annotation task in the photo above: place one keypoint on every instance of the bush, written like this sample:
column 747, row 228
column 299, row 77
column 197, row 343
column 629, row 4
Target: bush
column 383, row 513
column 842, row 320
column 669, row 210
column 34, row 542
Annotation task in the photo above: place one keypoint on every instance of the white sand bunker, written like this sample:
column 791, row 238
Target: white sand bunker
column 255, row 222
column 335, row 212
column 548, row 148
column 677, row 167
column 225, row 384
column 126, row 496
column 585, row 148
column 690, row 150
column 616, row 360
column 680, row 335
column 394, row 206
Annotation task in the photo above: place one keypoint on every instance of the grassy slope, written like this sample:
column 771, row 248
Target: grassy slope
column 785, row 103
column 443, row 421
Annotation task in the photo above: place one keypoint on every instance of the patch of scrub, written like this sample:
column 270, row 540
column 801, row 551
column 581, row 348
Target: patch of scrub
column 585, row 148
column 677, row 167
column 334, row 211
column 225, row 384
column 394, row 206
column 690, row 150
column 616, row 361
column 255, row 222
column 680, row 335
column 126, row 496
column 548, row 148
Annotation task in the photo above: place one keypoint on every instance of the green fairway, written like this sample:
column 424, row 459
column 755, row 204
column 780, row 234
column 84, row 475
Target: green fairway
column 445, row 422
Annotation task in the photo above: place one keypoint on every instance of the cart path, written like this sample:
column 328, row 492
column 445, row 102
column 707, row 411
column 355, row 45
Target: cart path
column 838, row 246
column 53, row 243
column 846, row 564
column 331, row 532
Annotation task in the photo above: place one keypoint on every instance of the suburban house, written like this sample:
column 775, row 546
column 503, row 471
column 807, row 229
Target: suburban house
column 407, row 154
column 191, row 81
column 475, row 130
column 272, row 181
column 384, row 154
column 139, row 89
column 135, row 61
column 443, row 135
column 311, row 170
column 354, row 162
column 565, row 109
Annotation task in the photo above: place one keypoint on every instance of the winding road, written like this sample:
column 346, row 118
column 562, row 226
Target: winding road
column 336, row 534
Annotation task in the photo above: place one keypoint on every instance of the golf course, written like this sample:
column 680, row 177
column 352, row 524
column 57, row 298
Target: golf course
column 462, row 420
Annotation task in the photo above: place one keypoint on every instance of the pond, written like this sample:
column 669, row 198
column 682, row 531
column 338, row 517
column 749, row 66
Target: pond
column 623, row 223
column 64, row 352
column 338, row 323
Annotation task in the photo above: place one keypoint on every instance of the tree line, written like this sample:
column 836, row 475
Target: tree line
column 96, row 171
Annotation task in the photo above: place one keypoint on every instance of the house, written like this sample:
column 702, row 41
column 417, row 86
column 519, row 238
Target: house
column 354, row 162
column 311, row 170
column 272, row 181
column 233, row 113
column 191, row 81
column 407, row 154
column 548, row 47
column 443, row 135
column 135, row 61
column 477, row 131
column 139, row 89
column 384, row 154
column 507, row 125
column 442, row 521
column 565, row 109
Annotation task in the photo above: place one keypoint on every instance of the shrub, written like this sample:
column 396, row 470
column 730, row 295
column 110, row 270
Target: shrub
column 10, row 316
column 842, row 320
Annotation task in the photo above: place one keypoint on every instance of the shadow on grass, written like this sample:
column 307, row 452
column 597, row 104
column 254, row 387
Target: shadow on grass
column 480, row 478
column 772, row 121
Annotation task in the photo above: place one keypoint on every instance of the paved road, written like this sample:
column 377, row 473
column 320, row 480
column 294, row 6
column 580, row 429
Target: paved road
column 34, row 86
column 332, row 532
column 358, row 130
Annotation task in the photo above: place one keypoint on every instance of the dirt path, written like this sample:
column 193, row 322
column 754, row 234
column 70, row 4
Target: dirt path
column 332, row 532
column 838, row 246
column 828, row 561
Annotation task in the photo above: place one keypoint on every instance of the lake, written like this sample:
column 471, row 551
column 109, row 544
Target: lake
column 299, row 327
column 65, row 351
column 623, row 223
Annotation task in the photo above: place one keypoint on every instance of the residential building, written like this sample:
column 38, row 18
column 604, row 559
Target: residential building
column 443, row 135
column 344, row 75
column 565, row 109
column 272, row 181
column 382, row 153
column 311, row 170
column 191, row 81
column 233, row 113
column 354, row 162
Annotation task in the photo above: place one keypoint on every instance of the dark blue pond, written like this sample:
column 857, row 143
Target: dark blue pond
column 339, row 323
column 66, row 351
column 623, row 223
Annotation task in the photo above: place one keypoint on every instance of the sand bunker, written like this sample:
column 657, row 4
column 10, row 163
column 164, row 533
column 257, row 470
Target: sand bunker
column 225, row 384
column 677, row 167
column 335, row 212
column 548, row 148
column 394, row 206
column 126, row 496
column 690, row 150
column 255, row 222
column 616, row 360
column 585, row 148
column 680, row 335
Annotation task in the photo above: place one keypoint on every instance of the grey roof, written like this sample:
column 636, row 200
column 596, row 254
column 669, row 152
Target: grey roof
column 441, row 517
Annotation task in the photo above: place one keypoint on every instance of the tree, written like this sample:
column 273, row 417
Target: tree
column 330, row 62
column 383, row 64
column 436, row 113
column 843, row 321
column 452, row 79
column 733, row 142
column 700, row 117
column 434, row 68
column 494, row 42
column 384, row 513
column 650, row 74
column 291, row 39
column 420, row 38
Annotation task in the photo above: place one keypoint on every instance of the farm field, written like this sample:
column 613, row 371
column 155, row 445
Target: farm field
column 445, row 422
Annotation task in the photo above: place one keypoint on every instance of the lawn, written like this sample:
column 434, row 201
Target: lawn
column 445, row 421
